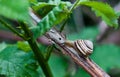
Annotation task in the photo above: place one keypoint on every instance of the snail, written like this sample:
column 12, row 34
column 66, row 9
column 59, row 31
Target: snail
column 83, row 47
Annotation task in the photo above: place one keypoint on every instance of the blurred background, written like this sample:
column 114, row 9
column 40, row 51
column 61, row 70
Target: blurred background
column 83, row 24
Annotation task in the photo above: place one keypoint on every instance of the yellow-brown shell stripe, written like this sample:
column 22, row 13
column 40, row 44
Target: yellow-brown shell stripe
column 82, row 47
column 85, row 46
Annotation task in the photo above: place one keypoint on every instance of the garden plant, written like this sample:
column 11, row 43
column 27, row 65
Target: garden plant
column 27, row 21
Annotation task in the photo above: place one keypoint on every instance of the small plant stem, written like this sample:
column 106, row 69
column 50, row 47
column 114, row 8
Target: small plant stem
column 63, row 25
column 39, row 56
column 49, row 51
column 71, row 9
column 43, row 63
column 11, row 28
column 74, row 6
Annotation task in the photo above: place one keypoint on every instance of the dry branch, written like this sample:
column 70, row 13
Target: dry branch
column 92, row 68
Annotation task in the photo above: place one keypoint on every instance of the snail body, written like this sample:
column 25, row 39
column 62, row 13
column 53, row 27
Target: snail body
column 83, row 47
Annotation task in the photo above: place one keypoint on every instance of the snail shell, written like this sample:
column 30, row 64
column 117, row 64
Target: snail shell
column 84, row 47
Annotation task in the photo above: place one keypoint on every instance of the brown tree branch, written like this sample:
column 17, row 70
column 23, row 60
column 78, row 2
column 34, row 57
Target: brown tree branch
column 92, row 68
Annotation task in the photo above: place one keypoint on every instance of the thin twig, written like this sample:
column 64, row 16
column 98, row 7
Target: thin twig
column 70, row 10
column 63, row 26
column 11, row 28
column 49, row 51
column 93, row 69
column 74, row 5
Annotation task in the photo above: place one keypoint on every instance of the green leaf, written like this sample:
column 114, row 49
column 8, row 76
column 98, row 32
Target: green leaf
column 54, row 17
column 118, row 13
column 41, row 5
column 16, row 63
column 2, row 46
column 23, row 46
column 106, row 56
column 59, row 65
column 55, row 1
column 83, row 0
column 15, row 9
column 81, row 73
column 104, row 10
column 33, row 1
column 44, row 8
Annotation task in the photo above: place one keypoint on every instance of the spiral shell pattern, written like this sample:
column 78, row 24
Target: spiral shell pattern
column 84, row 47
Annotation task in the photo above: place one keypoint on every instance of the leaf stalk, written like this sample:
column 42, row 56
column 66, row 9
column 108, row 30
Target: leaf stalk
column 39, row 56
column 71, row 9
column 11, row 28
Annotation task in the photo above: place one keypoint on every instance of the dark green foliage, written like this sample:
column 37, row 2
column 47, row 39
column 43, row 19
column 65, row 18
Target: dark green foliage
column 16, row 63
column 81, row 73
column 17, row 60
column 15, row 9
column 54, row 17
column 107, row 56
column 23, row 46
column 41, row 5
column 114, row 72
column 60, row 12
column 43, row 8
column 58, row 65
column 104, row 11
